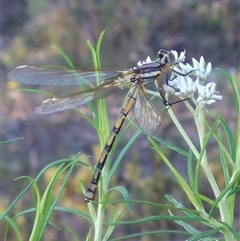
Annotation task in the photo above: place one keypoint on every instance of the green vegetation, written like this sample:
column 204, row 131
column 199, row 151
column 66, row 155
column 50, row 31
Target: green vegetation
column 185, row 187
column 107, row 213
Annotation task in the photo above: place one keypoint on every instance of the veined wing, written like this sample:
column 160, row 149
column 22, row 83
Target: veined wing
column 62, row 76
column 73, row 101
column 146, row 114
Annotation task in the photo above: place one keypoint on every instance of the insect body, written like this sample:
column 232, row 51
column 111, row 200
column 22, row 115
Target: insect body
column 136, row 79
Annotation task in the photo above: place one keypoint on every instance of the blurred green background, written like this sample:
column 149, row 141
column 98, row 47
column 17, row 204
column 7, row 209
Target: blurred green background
column 134, row 30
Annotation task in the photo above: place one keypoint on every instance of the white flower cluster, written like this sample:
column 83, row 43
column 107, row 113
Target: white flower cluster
column 148, row 60
column 180, row 58
column 188, row 80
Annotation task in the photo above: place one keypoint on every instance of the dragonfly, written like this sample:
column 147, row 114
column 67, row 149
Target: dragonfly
column 136, row 79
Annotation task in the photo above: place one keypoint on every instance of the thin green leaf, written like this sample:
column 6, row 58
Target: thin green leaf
column 74, row 211
column 89, row 236
column 196, row 202
column 151, row 233
column 93, row 52
column 27, row 211
column 42, row 207
column 89, row 120
column 68, row 60
column 125, row 195
column 208, row 235
column 113, row 218
column 174, row 201
column 221, row 144
column 189, row 228
column 155, row 205
column 230, row 139
column 168, row 145
column 45, row 205
column 180, row 206
column 16, row 200
column 230, row 229
column 37, row 91
column 9, row 141
column 160, row 218
column 74, row 235
column 190, row 171
column 223, row 193
column 199, row 161
column 101, row 120
column 15, row 228
column 225, row 166
column 51, row 208
column 235, row 88
column 57, row 163
column 234, row 191
column 226, row 173
column 206, row 199
column 122, row 153
column 99, row 43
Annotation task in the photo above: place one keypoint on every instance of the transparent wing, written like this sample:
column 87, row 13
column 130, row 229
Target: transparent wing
column 57, row 104
column 62, row 76
column 146, row 114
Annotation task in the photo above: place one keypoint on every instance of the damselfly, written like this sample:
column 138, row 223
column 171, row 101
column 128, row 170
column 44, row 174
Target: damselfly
column 112, row 78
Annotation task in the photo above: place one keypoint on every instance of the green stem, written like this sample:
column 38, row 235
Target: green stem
column 102, row 123
column 223, row 206
column 200, row 123
column 99, row 222
column 183, row 132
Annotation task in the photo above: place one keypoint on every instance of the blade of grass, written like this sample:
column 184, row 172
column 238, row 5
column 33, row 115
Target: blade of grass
column 141, row 234
column 179, row 178
column 230, row 139
column 68, row 60
column 53, row 204
column 122, row 153
column 190, row 171
column 15, row 228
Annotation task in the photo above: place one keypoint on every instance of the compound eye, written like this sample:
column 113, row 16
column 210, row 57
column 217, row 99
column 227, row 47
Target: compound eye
column 171, row 58
column 162, row 53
